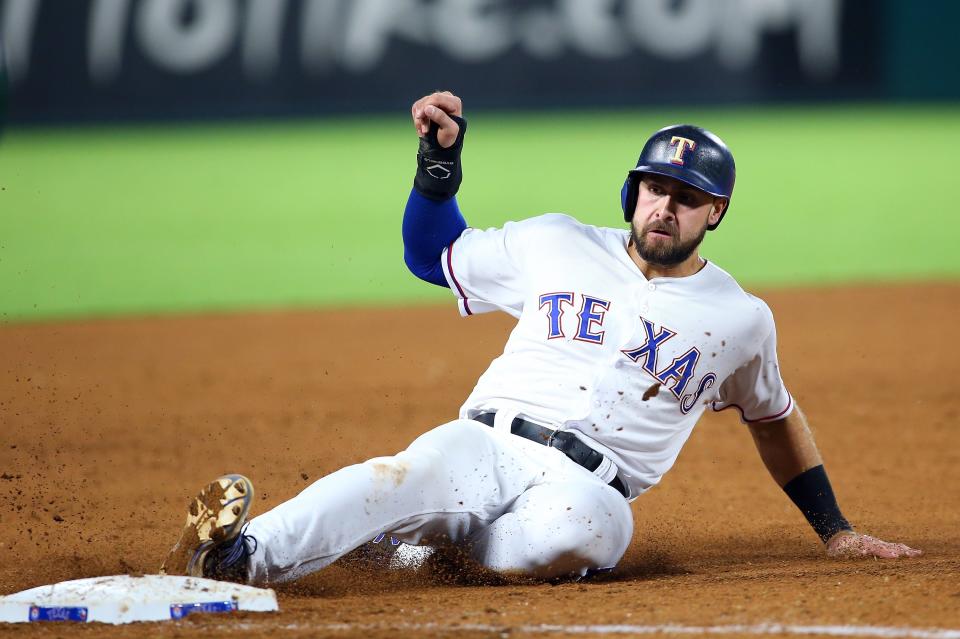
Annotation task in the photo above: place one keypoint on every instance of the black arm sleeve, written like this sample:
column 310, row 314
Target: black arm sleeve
column 813, row 495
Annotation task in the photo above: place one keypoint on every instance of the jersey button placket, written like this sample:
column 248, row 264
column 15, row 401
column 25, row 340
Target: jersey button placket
column 641, row 295
column 651, row 288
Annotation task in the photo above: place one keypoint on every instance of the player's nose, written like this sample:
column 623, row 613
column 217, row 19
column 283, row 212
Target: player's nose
column 667, row 206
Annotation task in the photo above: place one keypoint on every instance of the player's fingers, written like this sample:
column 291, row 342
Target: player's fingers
column 420, row 121
column 904, row 550
column 449, row 129
column 887, row 550
column 881, row 551
column 415, row 116
column 444, row 100
column 448, row 102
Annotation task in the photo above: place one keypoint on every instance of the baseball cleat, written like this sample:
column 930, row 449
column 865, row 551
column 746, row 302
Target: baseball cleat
column 212, row 544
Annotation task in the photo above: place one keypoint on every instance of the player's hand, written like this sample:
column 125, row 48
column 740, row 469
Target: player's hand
column 438, row 107
column 853, row 544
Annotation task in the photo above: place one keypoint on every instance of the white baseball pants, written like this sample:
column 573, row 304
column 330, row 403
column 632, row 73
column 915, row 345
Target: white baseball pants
column 518, row 507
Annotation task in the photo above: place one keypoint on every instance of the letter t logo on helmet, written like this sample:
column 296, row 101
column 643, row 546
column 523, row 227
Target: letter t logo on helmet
column 682, row 145
column 687, row 153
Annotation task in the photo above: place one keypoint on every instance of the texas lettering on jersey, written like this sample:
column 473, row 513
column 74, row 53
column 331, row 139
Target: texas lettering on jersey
column 589, row 328
column 681, row 370
column 590, row 317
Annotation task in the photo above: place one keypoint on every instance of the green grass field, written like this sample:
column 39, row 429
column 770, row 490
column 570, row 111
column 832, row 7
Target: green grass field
column 101, row 221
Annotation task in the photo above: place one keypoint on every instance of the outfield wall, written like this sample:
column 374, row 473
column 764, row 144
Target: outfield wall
column 102, row 60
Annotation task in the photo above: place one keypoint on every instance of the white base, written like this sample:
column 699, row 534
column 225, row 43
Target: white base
column 125, row 599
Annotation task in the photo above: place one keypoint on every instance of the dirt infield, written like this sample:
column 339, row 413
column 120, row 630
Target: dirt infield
column 109, row 427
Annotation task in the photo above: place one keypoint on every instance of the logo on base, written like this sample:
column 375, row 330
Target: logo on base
column 58, row 613
column 179, row 611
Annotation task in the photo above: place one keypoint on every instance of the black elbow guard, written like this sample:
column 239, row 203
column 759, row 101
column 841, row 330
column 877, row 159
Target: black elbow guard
column 438, row 169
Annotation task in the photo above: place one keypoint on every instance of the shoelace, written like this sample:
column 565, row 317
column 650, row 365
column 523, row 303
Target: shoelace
column 240, row 549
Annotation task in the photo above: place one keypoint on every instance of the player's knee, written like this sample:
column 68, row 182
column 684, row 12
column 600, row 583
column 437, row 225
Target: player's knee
column 598, row 525
column 581, row 530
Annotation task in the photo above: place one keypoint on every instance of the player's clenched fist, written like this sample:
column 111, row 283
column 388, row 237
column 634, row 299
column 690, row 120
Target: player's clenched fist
column 438, row 107
column 438, row 119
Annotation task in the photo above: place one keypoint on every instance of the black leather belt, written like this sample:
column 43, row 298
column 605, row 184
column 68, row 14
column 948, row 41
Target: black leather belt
column 564, row 441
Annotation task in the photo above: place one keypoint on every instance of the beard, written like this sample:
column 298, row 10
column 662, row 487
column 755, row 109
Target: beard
column 664, row 252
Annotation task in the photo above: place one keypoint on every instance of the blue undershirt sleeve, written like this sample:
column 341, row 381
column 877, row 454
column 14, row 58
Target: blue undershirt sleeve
column 429, row 227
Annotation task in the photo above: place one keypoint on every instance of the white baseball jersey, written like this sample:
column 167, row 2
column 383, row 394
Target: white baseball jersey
column 627, row 364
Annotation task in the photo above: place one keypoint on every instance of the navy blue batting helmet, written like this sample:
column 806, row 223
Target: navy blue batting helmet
column 689, row 154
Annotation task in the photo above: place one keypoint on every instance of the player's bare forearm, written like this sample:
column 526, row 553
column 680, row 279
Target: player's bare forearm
column 790, row 454
column 786, row 446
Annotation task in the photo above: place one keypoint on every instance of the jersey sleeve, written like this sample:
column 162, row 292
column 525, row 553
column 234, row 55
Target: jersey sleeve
column 756, row 389
column 485, row 268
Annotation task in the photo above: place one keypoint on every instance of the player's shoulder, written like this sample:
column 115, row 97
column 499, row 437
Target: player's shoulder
column 546, row 235
column 567, row 227
column 551, row 221
column 735, row 298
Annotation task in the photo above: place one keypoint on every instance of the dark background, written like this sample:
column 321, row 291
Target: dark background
column 105, row 60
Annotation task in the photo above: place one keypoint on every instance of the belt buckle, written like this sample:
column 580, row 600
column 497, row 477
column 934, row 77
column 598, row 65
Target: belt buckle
column 552, row 438
column 562, row 440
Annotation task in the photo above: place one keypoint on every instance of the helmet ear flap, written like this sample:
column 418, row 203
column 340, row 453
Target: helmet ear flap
column 628, row 196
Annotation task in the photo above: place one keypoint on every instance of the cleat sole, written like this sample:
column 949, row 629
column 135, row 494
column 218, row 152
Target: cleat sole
column 217, row 514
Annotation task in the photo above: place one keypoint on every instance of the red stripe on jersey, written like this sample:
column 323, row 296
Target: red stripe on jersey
column 466, row 305
column 751, row 421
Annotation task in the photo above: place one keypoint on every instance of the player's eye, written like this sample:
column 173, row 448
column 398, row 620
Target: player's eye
column 689, row 199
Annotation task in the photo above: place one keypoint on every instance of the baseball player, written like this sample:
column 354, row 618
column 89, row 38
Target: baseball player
column 623, row 339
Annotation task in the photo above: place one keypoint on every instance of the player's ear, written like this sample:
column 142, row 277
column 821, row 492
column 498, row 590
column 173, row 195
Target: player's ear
column 716, row 212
